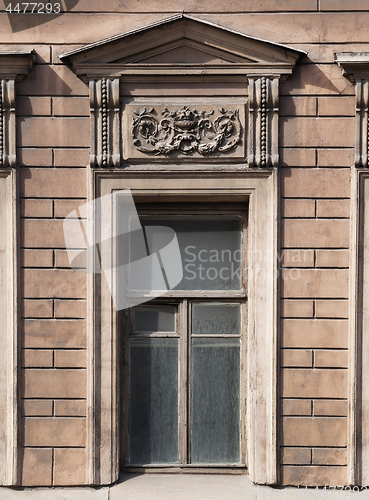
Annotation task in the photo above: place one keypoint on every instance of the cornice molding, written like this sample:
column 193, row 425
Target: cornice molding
column 124, row 55
column 16, row 65
column 353, row 65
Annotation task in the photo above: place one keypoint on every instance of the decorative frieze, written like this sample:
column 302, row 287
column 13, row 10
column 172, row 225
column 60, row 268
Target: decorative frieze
column 262, row 145
column 7, row 123
column 105, row 123
column 186, row 131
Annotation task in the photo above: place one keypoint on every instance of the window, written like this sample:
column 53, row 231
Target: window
column 183, row 383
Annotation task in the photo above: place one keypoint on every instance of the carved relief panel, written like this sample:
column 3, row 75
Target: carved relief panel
column 243, row 130
column 184, row 130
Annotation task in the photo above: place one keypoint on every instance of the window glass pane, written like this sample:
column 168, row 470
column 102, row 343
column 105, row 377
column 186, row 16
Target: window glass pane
column 153, row 400
column 210, row 247
column 154, row 319
column 215, row 401
column 213, row 319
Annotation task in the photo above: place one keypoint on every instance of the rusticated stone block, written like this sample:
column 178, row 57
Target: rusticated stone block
column 71, row 106
column 70, row 309
column 314, row 233
column 37, row 132
column 37, row 258
column 297, row 357
column 70, row 359
column 317, row 132
column 28, row 106
column 331, row 359
column 55, row 384
column 298, row 106
column 37, row 358
column 54, row 283
column 315, row 283
column 329, row 456
column 332, row 258
column 34, row 157
column 318, row 383
column 296, row 456
column 36, row 208
column 71, row 157
column 37, row 467
column 315, row 182
column 335, row 157
column 297, row 308
column 336, row 106
column 332, row 308
column 296, row 258
column 297, row 407
column 313, row 475
column 298, row 208
column 310, row 431
column 70, row 466
column 54, row 333
column 330, row 408
column 297, row 157
column 38, row 308
column 53, row 183
column 315, row 333
column 63, row 208
column 70, row 408
column 333, row 208
column 37, row 408
column 54, row 431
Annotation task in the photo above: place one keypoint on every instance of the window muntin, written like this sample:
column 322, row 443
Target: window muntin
column 204, row 421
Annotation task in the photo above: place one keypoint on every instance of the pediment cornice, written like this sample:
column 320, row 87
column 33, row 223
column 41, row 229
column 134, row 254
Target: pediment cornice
column 140, row 52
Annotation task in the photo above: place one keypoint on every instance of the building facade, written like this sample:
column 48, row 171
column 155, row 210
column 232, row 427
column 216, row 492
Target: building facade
column 244, row 129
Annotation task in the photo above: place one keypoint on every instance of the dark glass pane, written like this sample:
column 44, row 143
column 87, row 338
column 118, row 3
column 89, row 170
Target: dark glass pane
column 210, row 247
column 215, row 401
column 216, row 318
column 154, row 319
column 153, row 400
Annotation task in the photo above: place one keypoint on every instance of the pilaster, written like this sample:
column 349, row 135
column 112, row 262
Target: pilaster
column 105, row 123
column 263, row 122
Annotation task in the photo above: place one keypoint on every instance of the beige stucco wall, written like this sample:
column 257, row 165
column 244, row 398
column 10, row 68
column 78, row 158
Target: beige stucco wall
column 316, row 151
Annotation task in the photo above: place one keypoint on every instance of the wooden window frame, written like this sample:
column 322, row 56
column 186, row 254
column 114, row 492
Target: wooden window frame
column 184, row 300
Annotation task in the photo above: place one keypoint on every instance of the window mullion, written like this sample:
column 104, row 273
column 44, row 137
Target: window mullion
column 183, row 382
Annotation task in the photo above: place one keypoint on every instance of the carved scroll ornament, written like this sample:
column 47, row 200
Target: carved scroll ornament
column 186, row 130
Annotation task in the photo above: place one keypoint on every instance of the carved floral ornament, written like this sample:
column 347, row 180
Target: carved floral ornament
column 186, row 130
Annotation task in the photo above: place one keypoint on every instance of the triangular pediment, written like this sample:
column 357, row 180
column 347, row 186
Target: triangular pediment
column 183, row 55
column 185, row 43
column 185, row 52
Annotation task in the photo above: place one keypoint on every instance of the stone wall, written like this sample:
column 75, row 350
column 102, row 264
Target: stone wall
column 316, row 151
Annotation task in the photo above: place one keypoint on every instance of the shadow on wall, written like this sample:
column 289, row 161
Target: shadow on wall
column 20, row 21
